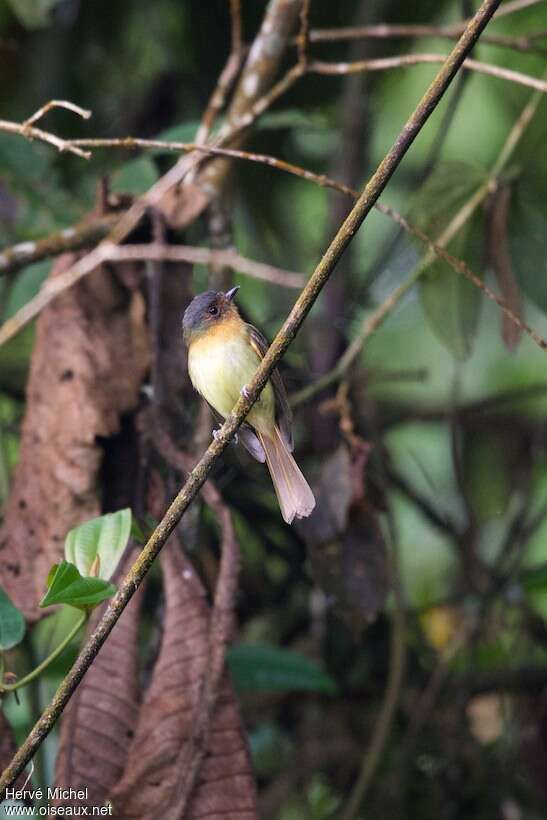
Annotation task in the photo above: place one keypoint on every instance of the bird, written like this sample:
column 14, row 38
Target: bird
column 224, row 353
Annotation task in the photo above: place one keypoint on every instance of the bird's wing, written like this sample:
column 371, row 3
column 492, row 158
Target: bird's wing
column 283, row 410
column 245, row 434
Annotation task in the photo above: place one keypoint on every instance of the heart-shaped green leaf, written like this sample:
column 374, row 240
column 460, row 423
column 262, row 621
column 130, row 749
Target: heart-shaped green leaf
column 67, row 586
column 12, row 623
column 103, row 538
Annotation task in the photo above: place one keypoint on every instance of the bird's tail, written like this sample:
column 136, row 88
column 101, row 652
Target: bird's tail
column 293, row 491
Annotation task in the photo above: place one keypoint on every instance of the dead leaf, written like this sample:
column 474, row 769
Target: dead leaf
column 182, row 204
column 500, row 259
column 225, row 784
column 87, row 366
column 346, row 547
column 100, row 720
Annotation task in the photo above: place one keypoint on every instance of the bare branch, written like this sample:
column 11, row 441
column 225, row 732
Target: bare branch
column 30, row 132
column 206, row 256
column 227, row 76
column 27, row 130
column 387, row 63
column 290, row 328
column 523, row 42
column 453, row 31
column 69, row 106
column 79, row 236
column 303, row 38
column 515, row 5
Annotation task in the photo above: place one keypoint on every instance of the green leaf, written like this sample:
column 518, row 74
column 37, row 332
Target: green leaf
column 445, row 191
column 451, row 303
column 183, row 132
column 488, row 460
column 105, row 537
column 26, row 285
column 12, row 623
column 30, row 174
column 136, row 176
column 260, row 668
column 528, row 247
column 67, row 586
column 137, row 532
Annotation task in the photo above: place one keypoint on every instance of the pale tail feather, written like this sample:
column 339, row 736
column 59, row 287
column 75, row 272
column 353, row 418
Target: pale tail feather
column 293, row 491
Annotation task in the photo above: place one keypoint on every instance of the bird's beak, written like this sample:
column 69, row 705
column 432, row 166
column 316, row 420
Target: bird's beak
column 231, row 293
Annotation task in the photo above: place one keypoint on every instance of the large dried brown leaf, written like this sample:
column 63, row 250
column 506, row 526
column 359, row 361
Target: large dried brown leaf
column 100, row 720
column 87, row 366
column 225, row 785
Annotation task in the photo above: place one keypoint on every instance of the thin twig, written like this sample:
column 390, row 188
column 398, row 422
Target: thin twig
column 515, row 5
column 290, row 328
column 386, row 63
column 218, row 97
column 84, row 113
column 454, row 30
column 206, row 256
column 27, row 130
column 79, row 236
column 227, row 76
column 303, row 38
column 30, row 132
column 523, row 42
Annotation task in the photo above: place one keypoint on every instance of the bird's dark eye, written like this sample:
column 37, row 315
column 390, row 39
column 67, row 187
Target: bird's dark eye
column 213, row 310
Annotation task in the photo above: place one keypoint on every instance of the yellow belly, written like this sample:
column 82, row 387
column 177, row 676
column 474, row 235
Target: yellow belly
column 220, row 367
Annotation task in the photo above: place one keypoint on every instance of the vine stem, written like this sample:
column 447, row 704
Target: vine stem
column 11, row 687
column 249, row 396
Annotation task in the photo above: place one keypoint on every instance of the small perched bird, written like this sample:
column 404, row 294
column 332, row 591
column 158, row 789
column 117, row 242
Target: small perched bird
column 224, row 353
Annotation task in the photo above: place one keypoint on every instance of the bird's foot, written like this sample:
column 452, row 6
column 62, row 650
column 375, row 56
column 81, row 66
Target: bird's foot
column 245, row 392
column 216, row 433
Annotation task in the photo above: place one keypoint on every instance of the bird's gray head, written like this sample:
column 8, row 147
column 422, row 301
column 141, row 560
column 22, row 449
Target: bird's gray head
column 205, row 310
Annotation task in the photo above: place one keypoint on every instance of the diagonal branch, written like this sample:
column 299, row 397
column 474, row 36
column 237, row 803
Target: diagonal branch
column 290, row 328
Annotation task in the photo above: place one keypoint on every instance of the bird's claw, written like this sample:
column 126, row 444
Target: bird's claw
column 245, row 392
column 216, row 433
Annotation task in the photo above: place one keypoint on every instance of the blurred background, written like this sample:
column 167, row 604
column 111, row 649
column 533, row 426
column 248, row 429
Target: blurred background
column 390, row 654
